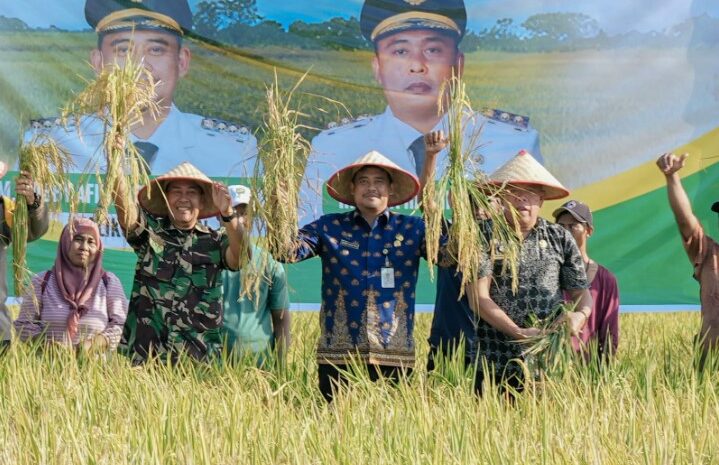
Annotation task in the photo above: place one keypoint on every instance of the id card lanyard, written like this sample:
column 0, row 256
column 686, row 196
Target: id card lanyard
column 387, row 272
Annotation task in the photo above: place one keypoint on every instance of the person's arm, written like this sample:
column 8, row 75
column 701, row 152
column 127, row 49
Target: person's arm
column 281, row 328
column 482, row 304
column 28, row 325
column 670, row 164
column 577, row 319
column 127, row 212
column 278, row 302
column 38, row 215
column 434, row 143
column 116, row 313
column 235, row 228
column 609, row 325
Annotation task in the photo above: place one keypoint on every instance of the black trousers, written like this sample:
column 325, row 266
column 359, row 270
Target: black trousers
column 332, row 376
column 503, row 384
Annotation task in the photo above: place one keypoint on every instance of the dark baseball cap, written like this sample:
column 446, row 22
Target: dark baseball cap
column 580, row 211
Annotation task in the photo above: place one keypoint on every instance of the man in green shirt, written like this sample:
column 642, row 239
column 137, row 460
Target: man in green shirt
column 254, row 325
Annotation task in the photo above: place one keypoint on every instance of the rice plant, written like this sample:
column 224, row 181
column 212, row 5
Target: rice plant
column 122, row 95
column 48, row 164
column 471, row 196
column 282, row 158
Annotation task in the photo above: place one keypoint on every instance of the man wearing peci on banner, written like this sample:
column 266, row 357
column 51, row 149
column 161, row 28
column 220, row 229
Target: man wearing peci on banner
column 416, row 51
column 154, row 31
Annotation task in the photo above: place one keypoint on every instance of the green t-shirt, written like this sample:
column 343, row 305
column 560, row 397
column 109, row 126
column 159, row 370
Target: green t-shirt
column 247, row 321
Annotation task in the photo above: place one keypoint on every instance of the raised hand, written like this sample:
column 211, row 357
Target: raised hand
column 669, row 163
column 222, row 199
column 435, row 142
column 25, row 186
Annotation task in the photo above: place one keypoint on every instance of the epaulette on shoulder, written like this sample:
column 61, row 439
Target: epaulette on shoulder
column 220, row 126
column 518, row 121
column 47, row 123
column 348, row 123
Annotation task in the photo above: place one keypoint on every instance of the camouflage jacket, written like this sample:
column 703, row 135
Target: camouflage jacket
column 176, row 301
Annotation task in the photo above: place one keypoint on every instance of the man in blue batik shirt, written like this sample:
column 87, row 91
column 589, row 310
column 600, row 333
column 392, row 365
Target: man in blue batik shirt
column 370, row 258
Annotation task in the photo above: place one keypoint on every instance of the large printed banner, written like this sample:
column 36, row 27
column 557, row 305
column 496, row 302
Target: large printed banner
column 597, row 90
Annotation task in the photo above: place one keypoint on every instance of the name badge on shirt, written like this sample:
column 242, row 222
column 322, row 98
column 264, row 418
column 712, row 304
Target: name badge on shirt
column 351, row 245
column 387, row 278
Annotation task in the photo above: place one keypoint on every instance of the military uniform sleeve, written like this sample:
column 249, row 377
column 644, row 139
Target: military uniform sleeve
column 572, row 274
column 139, row 236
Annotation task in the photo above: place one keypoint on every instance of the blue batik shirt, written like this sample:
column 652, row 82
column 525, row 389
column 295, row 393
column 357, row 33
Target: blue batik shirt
column 359, row 316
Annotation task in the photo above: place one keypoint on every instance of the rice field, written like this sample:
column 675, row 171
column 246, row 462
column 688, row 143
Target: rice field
column 649, row 407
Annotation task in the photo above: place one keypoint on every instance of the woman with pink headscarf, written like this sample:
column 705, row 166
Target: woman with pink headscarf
column 76, row 303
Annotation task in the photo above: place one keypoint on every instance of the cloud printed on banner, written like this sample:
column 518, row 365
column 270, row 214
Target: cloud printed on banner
column 614, row 16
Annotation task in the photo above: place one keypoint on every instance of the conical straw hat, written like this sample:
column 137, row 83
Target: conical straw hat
column 153, row 200
column 405, row 185
column 524, row 170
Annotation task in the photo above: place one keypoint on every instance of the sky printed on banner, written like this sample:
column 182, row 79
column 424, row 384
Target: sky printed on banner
column 614, row 16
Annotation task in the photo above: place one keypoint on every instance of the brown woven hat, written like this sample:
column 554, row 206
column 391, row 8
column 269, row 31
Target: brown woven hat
column 405, row 185
column 153, row 199
column 525, row 170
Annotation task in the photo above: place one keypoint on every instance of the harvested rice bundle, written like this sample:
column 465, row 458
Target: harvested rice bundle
column 48, row 164
column 282, row 158
column 471, row 197
column 551, row 351
column 122, row 96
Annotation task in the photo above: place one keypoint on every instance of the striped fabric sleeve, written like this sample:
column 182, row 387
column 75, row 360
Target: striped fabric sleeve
column 116, row 311
column 28, row 324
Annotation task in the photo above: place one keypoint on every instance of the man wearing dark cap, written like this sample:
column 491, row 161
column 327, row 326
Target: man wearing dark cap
column 153, row 30
column 703, row 251
column 603, row 323
column 416, row 52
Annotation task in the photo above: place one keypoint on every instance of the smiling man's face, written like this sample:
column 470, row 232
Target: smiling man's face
column 412, row 65
column 371, row 188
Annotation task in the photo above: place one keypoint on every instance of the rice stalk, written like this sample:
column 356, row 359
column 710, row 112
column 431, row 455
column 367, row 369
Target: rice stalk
column 478, row 222
column 121, row 96
column 282, row 159
column 48, row 165
column 550, row 353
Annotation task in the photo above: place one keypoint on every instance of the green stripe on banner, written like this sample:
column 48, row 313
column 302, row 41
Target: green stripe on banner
column 639, row 241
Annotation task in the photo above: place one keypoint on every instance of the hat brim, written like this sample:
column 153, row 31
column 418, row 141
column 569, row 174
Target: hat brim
column 416, row 25
column 154, row 200
column 551, row 192
column 405, row 185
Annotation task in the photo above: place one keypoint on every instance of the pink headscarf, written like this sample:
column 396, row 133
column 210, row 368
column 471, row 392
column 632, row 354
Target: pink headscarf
column 75, row 283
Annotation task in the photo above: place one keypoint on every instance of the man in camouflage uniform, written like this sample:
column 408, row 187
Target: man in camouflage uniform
column 176, row 301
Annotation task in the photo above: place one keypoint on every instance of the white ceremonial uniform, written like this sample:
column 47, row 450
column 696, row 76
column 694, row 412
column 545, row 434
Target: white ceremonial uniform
column 501, row 137
column 217, row 148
